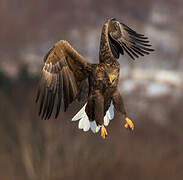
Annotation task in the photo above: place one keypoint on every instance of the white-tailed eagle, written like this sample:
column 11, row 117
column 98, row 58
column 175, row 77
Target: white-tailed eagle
column 67, row 76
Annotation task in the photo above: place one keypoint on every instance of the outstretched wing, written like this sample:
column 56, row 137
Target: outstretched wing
column 117, row 37
column 62, row 74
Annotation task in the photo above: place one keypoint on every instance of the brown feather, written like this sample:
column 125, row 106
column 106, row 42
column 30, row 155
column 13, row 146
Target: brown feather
column 59, row 94
column 118, row 102
column 117, row 37
column 60, row 77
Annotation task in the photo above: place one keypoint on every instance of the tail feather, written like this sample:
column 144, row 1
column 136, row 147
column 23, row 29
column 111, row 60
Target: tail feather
column 94, row 127
column 80, row 114
column 85, row 124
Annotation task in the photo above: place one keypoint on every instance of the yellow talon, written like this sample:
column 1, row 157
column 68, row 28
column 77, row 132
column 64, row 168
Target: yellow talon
column 103, row 132
column 126, row 125
column 129, row 124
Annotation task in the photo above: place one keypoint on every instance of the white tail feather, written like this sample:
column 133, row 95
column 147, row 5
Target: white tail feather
column 85, row 124
column 94, row 127
column 80, row 114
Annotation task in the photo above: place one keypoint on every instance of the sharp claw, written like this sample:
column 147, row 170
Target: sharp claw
column 103, row 132
column 126, row 125
column 129, row 124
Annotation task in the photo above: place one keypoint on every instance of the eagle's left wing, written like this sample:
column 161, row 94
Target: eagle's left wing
column 64, row 71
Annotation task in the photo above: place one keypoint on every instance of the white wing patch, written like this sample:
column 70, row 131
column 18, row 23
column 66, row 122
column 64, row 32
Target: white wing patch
column 85, row 124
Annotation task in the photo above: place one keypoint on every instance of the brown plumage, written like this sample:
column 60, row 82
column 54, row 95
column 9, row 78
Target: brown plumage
column 67, row 76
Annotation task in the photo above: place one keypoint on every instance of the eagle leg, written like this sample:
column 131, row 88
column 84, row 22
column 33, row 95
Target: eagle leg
column 103, row 132
column 119, row 106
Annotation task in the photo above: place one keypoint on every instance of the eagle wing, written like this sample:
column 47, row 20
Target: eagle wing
column 64, row 70
column 117, row 37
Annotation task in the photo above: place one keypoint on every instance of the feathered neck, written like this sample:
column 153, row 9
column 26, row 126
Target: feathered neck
column 105, row 50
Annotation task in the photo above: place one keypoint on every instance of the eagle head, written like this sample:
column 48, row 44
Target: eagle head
column 113, row 75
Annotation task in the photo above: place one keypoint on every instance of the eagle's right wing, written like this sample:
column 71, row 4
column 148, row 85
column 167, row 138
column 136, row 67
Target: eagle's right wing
column 117, row 37
column 63, row 72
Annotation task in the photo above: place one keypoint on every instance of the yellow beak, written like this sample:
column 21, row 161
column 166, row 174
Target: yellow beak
column 111, row 78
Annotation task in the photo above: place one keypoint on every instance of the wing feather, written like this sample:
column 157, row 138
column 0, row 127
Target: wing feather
column 129, row 40
column 63, row 71
column 117, row 37
column 59, row 95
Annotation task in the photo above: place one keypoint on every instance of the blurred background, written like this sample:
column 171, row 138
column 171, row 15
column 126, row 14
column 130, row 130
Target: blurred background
column 152, row 88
